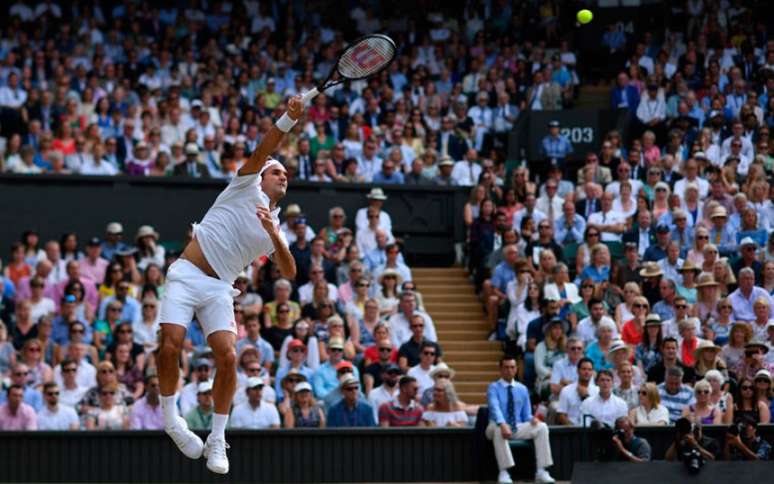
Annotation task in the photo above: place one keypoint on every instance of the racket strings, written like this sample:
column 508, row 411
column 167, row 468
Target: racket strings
column 366, row 58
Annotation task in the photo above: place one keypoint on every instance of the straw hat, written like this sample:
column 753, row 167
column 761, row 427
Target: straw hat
column 705, row 345
column 442, row 368
column 758, row 345
column 706, row 280
column 390, row 272
column 376, row 193
column 689, row 266
column 651, row 269
column 719, row 211
column 653, row 319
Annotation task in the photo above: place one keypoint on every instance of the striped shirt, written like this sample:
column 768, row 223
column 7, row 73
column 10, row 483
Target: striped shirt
column 398, row 416
column 677, row 402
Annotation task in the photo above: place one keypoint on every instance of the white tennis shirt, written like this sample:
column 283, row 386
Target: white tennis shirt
column 231, row 235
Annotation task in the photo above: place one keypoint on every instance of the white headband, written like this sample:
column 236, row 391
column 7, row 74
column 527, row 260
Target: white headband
column 269, row 163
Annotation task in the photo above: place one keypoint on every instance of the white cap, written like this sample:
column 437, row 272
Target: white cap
column 747, row 241
column 115, row 228
column 254, row 381
column 205, row 386
column 302, row 386
column 191, row 149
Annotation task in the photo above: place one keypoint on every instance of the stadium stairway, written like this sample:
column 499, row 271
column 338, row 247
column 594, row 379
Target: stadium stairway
column 462, row 329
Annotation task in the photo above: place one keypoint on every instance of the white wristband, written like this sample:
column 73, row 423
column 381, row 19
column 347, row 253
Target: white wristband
column 285, row 123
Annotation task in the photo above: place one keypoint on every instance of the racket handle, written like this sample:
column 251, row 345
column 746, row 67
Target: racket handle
column 309, row 95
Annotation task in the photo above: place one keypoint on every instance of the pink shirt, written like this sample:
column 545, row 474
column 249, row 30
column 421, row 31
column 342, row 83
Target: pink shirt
column 95, row 271
column 25, row 418
column 91, row 295
column 146, row 417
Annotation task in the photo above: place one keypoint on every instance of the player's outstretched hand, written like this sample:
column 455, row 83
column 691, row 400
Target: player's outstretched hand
column 264, row 215
column 295, row 107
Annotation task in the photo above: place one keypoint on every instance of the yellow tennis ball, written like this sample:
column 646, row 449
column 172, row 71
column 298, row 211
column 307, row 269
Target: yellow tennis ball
column 585, row 16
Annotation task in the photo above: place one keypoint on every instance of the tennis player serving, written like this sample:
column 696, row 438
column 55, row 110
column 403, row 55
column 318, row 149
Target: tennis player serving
column 241, row 226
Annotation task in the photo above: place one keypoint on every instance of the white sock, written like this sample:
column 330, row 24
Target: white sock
column 169, row 407
column 219, row 426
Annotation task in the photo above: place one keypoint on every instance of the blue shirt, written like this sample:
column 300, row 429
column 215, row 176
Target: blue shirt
column 109, row 250
column 503, row 274
column 60, row 331
column 32, row 397
column 596, row 275
column 558, row 147
column 304, row 370
column 340, row 415
column 497, row 399
column 664, row 310
column 565, row 235
column 595, row 354
column 132, row 311
column 727, row 241
column 324, row 379
column 263, row 347
column 395, row 179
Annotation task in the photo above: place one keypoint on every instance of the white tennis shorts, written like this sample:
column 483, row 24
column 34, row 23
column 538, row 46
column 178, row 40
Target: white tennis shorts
column 190, row 291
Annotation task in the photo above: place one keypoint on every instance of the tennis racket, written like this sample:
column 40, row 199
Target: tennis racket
column 363, row 58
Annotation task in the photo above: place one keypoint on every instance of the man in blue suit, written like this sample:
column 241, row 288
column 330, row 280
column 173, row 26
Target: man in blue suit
column 624, row 95
column 510, row 417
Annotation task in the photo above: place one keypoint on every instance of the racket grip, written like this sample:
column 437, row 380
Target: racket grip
column 309, row 95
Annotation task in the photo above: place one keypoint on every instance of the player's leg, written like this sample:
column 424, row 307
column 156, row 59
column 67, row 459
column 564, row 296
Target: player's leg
column 172, row 336
column 223, row 388
column 177, row 309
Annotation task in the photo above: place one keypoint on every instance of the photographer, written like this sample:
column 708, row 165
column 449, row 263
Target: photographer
column 628, row 446
column 690, row 437
column 743, row 443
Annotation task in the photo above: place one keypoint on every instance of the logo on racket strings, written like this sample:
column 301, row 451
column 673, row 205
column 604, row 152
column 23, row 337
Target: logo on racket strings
column 365, row 57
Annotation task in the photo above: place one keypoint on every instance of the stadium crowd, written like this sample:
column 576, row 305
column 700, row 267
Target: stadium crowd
column 638, row 285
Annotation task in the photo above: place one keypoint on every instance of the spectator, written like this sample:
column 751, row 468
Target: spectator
column 351, row 410
column 254, row 414
column 675, row 395
column 422, row 371
column 20, row 374
column 296, row 356
column 604, row 407
column 108, row 415
column 55, row 416
column 408, row 315
column 324, row 379
column 253, row 338
column 403, row 411
column 445, row 410
column 14, row 413
column 629, row 447
column 201, row 372
column 753, row 361
column 71, row 392
column 200, row 416
column 746, row 444
column 743, row 299
column 146, row 412
column 304, row 413
column 747, row 406
column 555, row 147
column 649, row 411
column 510, row 416
column 387, row 391
column 574, row 394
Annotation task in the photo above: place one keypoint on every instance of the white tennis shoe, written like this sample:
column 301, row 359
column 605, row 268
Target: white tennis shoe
column 188, row 442
column 215, row 452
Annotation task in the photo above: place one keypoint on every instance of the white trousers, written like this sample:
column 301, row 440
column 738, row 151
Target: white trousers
column 523, row 431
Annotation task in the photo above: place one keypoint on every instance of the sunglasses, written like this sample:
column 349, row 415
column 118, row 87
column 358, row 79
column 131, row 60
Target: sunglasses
column 417, row 325
column 750, row 353
column 335, row 350
column 643, row 393
column 350, row 389
column 107, row 393
column 746, row 387
column 702, row 237
column 33, row 350
column 702, row 392
column 52, row 394
column 107, row 371
column 114, row 309
column 69, row 370
column 428, row 353
column 593, row 234
column 125, row 331
column 681, row 306
column 576, row 348
column 362, row 285
column 297, row 350
column 587, row 286
column 253, row 369
column 762, row 380
column 148, row 306
column 21, row 373
column 283, row 310
column 385, row 350
column 725, row 306
column 295, row 380
column 639, row 306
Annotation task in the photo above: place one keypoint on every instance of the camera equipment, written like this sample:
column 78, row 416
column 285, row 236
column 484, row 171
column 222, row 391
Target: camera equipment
column 687, row 453
column 737, row 428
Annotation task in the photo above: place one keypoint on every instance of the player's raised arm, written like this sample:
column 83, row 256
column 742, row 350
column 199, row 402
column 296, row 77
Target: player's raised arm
column 282, row 256
column 272, row 139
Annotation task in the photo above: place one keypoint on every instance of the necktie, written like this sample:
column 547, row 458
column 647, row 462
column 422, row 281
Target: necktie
column 717, row 237
column 511, row 408
column 551, row 210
